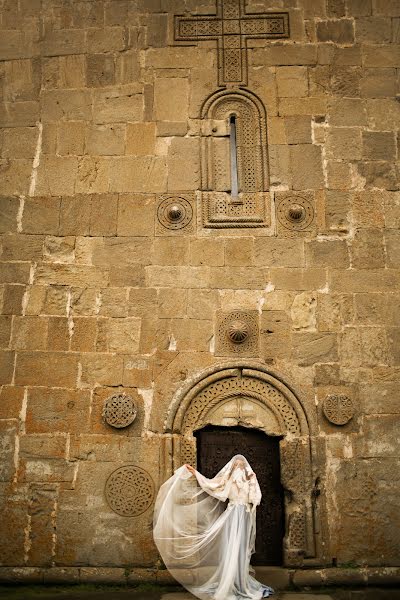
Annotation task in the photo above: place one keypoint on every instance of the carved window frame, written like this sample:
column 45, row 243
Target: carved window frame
column 220, row 209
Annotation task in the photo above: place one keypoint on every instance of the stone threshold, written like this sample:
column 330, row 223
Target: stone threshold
column 278, row 578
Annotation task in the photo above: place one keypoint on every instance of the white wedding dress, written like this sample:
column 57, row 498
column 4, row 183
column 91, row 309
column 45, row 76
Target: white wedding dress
column 206, row 542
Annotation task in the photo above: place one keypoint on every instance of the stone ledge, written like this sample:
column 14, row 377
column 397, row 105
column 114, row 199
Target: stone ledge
column 279, row 578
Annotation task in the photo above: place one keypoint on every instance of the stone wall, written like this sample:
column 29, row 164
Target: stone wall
column 103, row 129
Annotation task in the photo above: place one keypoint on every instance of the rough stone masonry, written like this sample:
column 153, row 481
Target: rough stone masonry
column 143, row 298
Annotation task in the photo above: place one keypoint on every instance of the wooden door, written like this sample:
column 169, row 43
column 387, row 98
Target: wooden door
column 216, row 446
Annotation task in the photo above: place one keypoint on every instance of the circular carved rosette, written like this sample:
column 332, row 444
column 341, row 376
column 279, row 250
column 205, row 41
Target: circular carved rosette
column 295, row 213
column 129, row 491
column 119, row 410
column 175, row 213
column 338, row 409
column 238, row 333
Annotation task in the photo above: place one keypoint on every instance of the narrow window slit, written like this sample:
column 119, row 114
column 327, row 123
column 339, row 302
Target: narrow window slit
column 233, row 149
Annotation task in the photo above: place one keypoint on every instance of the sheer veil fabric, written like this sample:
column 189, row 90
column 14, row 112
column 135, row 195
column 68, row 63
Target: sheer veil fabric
column 205, row 531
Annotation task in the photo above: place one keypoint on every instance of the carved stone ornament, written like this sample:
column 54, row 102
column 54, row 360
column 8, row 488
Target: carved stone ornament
column 231, row 27
column 245, row 159
column 237, row 333
column 338, row 409
column 119, row 410
column 175, row 213
column 129, row 491
column 295, row 213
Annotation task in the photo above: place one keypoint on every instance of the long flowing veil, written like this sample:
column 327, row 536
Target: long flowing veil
column 192, row 526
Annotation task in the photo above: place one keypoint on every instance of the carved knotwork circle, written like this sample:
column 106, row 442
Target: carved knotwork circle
column 338, row 409
column 119, row 410
column 129, row 491
column 238, row 331
column 175, row 213
column 295, row 213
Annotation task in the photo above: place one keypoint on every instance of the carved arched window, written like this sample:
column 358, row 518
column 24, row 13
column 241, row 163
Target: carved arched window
column 234, row 160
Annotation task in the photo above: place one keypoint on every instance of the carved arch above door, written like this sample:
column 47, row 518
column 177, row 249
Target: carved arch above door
column 247, row 394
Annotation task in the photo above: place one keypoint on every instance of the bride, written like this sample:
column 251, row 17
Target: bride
column 205, row 531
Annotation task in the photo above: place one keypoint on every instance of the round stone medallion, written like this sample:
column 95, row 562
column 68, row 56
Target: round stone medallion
column 119, row 410
column 129, row 491
column 295, row 212
column 175, row 213
column 238, row 331
column 338, row 409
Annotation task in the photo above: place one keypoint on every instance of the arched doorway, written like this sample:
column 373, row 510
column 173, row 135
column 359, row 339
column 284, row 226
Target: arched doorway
column 216, row 445
column 246, row 394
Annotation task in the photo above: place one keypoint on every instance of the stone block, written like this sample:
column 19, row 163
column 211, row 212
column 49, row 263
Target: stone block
column 14, row 272
column 329, row 312
column 46, row 300
column 19, row 142
column 137, row 373
column 101, row 369
column 118, row 104
column 118, row 335
column 383, row 114
column 335, row 30
column 375, row 30
column 311, row 348
column 92, row 174
column 379, row 175
column 56, row 175
column 389, row 8
column 71, row 71
column 346, row 81
column 367, row 208
column 306, row 163
column 239, row 252
column 135, row 215
column 183, row 151
column 237, row 278
column 181, row 277
column 62, row 42
column 297, row 279
column 312, row 106
column 359, row 8
column 303, row 311
column 19, row 114
column 132, row 276
column 103, row 215
column 393, row 340
column 11, row 399
column 71, row 138
column 367, row 280
column 142, row 302
column 121, row 252
column 327, row 253
column 170, row 251
column 59, row 274
column 5, row 330
column 338, row 205
column 58, row 336
column 9, row 207
column 58, row 369
column 84, row 334
column 66, row 104
column 75, row 215
column 113, row 302
column 100, row 70
column 392, row 245
column 344, row 143
column 292, row 81
column 106, row 140
column 8, row 433
column 336, row 8
column 380, row 56
column 378, row 83
column 141, row 174
column 339, row 175
column 298, row 129
column 347, row 112
column 43, row 446
column 11, row 299
column 172, row 304
column 367, row 249
column 275, row 335
column 276, row 55
column 206, row 252
column 382, row 398
column 202, row 303
column 140, row 138
column 379, row 145
column 106, row 39
column 272, row 252
column 15, row 176
column 21, row 247
column 29, row 333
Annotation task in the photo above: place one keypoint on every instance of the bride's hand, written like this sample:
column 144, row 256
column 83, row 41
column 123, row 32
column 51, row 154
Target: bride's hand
column 189, row 468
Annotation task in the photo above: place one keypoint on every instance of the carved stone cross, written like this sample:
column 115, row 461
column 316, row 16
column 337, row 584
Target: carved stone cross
column 231, row 27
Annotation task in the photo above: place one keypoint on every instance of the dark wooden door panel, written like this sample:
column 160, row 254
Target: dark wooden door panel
column 216, row 446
